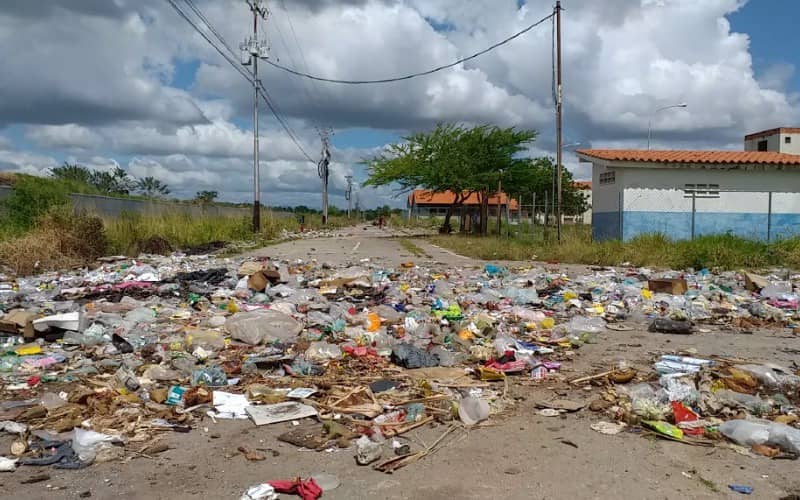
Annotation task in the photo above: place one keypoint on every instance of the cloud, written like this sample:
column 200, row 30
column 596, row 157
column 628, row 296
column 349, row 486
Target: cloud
column 99, row 83
column 69, row 136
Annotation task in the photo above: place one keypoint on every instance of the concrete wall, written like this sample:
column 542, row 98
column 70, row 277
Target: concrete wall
column 607, row 199
column 107, row 206
column 656, row 200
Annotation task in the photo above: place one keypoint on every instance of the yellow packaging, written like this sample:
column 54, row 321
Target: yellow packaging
column 570, row 296
column 548, row 323
column 647, row 293
column 28, row 349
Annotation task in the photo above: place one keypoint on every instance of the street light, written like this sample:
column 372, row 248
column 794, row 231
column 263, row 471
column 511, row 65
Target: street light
column 650, row 122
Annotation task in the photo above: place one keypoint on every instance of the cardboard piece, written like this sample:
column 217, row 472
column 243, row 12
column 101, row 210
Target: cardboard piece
column 754, row 282
column 18, row 321
column 281, row 412
column 674, row 286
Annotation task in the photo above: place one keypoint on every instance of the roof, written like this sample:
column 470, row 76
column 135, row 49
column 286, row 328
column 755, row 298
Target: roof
column 423, row 197
column 582, row 185
column 705, row 157
column 772, row 131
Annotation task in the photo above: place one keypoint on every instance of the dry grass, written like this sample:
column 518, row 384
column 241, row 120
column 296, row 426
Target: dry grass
column 61, row 240
column 7, row 178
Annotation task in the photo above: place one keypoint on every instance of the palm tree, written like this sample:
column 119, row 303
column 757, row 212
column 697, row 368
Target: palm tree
column 152, row 187
column 72, row 172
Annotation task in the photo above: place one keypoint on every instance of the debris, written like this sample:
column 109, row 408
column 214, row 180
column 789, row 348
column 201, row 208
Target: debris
column 738, row 488
column 280, row 412
column 608, row 428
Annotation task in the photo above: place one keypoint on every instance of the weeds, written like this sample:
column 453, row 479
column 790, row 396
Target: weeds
column 719, row 251
column 411, row 248
column 61, row 239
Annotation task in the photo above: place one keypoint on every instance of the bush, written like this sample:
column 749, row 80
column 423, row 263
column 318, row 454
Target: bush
column 61, row 239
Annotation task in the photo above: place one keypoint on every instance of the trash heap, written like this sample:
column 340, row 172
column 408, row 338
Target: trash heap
column 98, row 363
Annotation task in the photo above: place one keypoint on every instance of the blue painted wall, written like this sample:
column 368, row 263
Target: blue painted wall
column 605, row 226
column 678, row 225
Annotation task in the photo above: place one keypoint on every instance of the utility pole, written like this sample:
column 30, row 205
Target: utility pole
column 559, row 100
column 499, row 201
column 324, row 173
column 253, row 48
column 348, row 195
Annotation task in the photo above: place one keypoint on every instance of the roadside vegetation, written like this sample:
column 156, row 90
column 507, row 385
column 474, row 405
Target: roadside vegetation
column 721, row 252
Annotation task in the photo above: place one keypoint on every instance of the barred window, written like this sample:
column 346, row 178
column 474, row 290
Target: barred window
column 608, row 177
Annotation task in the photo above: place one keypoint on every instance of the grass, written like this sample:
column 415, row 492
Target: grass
column 411, row 248
column 655, row 250
column 62, row 238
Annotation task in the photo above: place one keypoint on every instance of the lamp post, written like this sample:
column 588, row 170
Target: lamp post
column 650, row 121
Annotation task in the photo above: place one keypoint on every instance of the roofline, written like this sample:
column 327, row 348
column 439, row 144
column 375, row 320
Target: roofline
column 772, row 131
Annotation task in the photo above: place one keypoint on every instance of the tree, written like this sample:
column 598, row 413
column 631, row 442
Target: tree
column 451, row 158
column 117, row 181
column 152, row 187
column 206, row 196
column 536, row 177
column 72, row 172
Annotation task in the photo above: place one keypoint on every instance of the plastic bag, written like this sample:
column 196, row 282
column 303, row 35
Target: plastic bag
column 583, row 324
column 745, row 432
column 88, row 443
column 323, row 351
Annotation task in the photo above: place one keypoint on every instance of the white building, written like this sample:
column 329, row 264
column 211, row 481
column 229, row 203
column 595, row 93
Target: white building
column 778, row 140
column 683, row 194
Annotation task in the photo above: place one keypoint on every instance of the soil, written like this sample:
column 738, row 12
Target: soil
column 520, row 455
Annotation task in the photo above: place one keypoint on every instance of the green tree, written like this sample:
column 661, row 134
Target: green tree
column 535, row 176
column 206, row 196
column 117, row 181
column 72, row 172
column 451, row 158
column 152, row 187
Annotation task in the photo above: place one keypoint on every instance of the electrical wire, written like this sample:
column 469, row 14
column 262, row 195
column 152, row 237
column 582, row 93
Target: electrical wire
column 262, row 91
column 413, row 75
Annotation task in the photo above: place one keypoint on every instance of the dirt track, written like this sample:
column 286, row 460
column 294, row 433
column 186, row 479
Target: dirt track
column 520, row 456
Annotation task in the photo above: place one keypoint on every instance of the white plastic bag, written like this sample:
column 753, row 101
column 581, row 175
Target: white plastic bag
column 87, row 443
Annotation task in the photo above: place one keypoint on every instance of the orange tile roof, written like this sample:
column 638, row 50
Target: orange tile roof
column 772, row 131
column 582, row 185
column 711, row 157
column 422, row 197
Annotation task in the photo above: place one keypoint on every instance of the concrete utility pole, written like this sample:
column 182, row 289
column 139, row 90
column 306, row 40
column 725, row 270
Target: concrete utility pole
column 253, row 48
column 499, row 201
column 348, row 195
column 324, row 173
column 559, row 100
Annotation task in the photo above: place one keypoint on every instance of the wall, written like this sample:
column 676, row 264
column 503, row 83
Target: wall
column 107, row 206
column 606, row 202
column 773, row 143
column 655, row 201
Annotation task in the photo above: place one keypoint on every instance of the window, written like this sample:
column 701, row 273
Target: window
column 608, row 177
column 762, row 145
column 701, row 191
column 787, row 140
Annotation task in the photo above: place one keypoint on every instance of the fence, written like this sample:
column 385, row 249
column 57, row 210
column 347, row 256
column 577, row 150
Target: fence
column 524, row 219
column 705, row 209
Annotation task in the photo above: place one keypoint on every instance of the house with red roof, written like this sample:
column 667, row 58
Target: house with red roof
column 682, row 194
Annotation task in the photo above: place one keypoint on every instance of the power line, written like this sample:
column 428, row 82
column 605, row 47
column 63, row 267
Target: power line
column 203, row 18
column 299, row 47
column 413, row 75
column 262, row 91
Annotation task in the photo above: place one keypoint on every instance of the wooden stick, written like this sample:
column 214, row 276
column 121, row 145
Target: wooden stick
column 592, row 377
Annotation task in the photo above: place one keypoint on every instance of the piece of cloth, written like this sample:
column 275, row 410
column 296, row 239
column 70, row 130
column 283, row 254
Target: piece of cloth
column 307, row 490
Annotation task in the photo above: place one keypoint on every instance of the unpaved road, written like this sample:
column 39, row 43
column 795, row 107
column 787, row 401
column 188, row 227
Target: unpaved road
column 521, row 456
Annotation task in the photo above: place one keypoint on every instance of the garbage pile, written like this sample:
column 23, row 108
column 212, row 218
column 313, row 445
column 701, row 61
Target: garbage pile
column 98, row 363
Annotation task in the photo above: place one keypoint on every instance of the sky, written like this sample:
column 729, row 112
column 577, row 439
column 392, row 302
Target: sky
column 129, row 83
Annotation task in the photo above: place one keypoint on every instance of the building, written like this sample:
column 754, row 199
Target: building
column 426, row 203
column 682, row 194
column 777, row 140
column 585, row 187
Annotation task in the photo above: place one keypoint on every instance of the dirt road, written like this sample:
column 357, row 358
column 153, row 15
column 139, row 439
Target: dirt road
column 520, row 456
